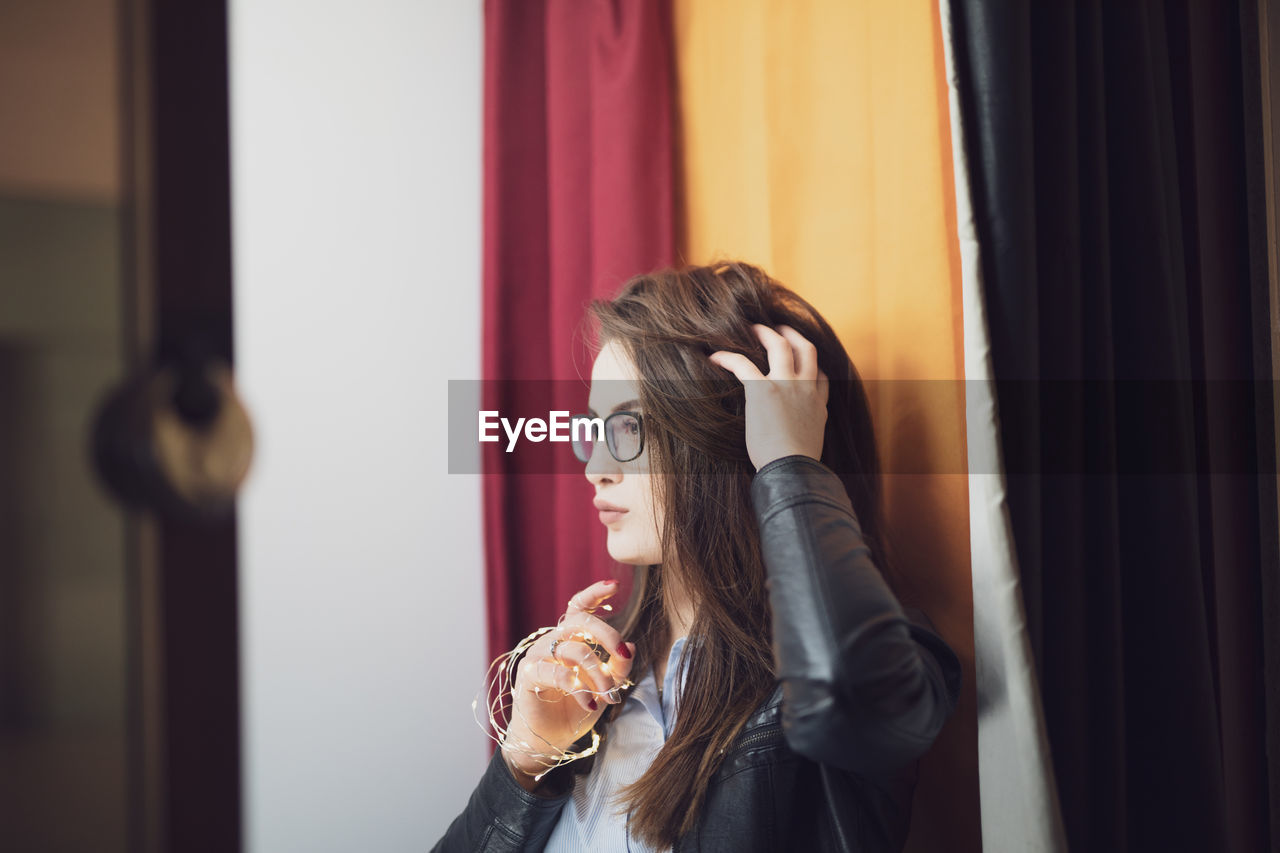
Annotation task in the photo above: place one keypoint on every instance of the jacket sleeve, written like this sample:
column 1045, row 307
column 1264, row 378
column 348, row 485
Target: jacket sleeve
column 865, row 688
column 502, row 817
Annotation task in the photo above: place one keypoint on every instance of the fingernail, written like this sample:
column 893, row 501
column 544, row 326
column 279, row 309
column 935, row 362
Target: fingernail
column 592, row 705
column 624, row 651
column 612, row 581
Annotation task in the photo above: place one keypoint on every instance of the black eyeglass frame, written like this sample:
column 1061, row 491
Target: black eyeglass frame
column 608, row 440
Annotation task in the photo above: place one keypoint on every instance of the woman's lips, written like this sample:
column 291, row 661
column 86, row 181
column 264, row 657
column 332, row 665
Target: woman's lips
column 609, row 513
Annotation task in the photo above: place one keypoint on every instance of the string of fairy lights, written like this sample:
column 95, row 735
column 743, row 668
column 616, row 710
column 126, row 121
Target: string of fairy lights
column 499, row 686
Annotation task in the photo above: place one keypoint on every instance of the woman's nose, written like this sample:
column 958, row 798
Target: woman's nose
column 602, row 467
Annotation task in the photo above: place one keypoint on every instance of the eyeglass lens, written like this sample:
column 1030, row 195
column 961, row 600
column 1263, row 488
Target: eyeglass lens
column 621, row 433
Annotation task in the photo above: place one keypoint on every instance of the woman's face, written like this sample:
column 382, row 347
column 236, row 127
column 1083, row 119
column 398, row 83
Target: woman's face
column 633, row 535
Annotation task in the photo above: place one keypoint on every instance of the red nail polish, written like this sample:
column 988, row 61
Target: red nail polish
column 592, row 705
column 624, row 651
column 612, row 581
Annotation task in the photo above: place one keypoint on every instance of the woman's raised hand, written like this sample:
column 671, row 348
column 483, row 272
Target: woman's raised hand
column 560, row 692
column 786, row 411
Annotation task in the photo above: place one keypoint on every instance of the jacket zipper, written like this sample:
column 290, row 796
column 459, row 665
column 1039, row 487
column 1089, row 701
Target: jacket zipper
column 766, row 734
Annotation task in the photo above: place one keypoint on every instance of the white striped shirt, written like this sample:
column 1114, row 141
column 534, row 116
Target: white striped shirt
column 588, row 822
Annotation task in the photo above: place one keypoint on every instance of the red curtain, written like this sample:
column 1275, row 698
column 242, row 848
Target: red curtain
column 578, row 197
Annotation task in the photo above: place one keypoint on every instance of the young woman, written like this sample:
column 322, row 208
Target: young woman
column 764, row 688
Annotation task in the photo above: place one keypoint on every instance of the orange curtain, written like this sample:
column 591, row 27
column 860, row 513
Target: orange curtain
column 816, row 143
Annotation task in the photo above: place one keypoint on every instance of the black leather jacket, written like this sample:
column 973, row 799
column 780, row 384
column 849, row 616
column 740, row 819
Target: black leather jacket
column 829, row 761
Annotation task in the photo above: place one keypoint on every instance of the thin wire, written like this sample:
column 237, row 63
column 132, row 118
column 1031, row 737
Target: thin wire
column 499, row 684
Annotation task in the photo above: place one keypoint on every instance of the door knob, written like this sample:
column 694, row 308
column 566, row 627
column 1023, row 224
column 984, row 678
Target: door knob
column 175, row 438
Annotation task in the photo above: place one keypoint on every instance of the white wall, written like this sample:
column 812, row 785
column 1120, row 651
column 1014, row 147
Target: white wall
column 356, row 158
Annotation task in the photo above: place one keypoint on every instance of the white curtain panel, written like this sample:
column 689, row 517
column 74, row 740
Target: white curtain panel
column 356, row 180
column 1017, row 791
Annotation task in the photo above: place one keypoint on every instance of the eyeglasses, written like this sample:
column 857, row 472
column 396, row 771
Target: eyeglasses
column 623, row 435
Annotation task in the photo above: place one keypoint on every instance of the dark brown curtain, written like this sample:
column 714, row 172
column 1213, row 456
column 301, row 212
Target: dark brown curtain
column 1115, row 178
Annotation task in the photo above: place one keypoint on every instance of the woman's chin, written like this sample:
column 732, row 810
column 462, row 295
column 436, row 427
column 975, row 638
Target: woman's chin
column 624, row 554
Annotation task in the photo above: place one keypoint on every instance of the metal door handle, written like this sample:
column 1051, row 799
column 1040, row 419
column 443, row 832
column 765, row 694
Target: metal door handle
column 175, row 438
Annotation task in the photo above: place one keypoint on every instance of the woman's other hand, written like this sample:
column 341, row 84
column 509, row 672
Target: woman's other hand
column 786, row 411
column 559, row 695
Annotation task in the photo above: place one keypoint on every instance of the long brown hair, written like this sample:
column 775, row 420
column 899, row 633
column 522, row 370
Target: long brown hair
column 668, row 322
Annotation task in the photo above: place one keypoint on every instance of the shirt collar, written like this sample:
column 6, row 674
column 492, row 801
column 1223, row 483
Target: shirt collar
column 646, row 691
